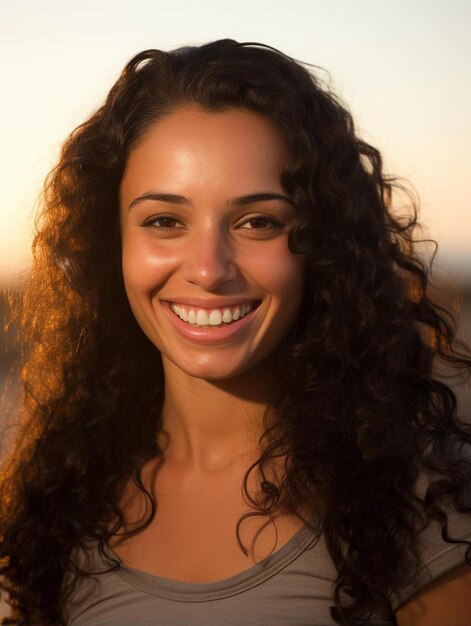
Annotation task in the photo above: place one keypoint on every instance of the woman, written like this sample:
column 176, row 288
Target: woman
column 231, row 412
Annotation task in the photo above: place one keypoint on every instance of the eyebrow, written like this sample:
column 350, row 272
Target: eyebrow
column 234, row 202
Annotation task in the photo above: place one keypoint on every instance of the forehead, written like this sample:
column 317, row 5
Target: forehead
column 231, row 148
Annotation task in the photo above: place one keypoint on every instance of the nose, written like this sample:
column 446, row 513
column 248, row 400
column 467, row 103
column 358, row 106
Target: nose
column 210, row 262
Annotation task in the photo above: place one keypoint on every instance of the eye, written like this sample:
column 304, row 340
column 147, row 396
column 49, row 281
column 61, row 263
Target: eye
column 163, row 222
column 262, row 223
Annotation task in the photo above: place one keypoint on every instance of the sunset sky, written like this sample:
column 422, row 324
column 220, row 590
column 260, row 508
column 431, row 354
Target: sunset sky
column 403, row 68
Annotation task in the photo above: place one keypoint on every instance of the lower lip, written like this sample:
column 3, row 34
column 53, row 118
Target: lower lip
column 208, row 334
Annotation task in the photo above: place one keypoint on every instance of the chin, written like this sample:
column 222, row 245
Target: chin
column 213, row 368
column 213, row 372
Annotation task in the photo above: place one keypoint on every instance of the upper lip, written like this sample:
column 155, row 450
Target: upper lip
column 213, row 303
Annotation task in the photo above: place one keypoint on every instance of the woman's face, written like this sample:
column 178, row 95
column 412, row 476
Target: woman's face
column 205, row 225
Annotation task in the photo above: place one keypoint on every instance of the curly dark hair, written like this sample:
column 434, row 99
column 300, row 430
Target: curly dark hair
column 360, row 411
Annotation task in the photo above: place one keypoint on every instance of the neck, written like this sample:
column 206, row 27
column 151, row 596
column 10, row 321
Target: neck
column 214, row 424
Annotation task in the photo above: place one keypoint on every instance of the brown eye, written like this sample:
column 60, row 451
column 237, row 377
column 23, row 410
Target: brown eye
column 261, row 223
column 162, row 222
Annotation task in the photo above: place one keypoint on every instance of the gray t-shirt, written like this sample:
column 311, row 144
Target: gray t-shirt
column 292, row 587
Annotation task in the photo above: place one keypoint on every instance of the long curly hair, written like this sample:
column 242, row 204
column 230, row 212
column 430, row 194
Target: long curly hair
column 360, row 411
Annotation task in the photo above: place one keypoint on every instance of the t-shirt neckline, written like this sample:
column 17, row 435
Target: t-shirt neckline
column 233, row 585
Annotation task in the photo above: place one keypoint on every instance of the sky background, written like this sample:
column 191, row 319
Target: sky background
column 402, row 67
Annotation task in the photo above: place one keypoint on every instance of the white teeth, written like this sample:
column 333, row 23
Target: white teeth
column 215, row 317
column 202, row 318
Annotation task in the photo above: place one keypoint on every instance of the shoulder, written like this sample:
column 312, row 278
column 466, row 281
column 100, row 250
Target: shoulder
column 446, row 600
column 440, row 592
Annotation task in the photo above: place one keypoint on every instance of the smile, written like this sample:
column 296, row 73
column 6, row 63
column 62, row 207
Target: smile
column 195, row 316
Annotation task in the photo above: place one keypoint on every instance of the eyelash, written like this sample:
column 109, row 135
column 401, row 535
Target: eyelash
column 151, row 222
column 271, row 223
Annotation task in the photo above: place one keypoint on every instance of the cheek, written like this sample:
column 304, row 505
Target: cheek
column 145, row 265
column 145, row 269
column 281, row 273
column 290, row 276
